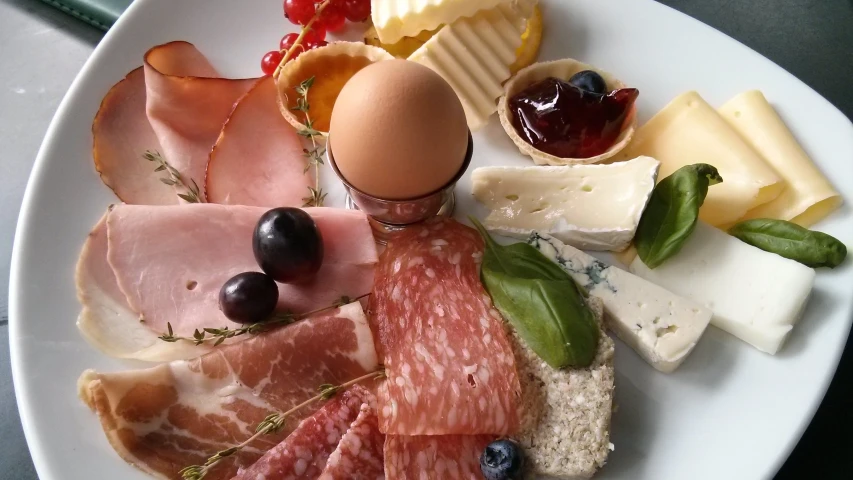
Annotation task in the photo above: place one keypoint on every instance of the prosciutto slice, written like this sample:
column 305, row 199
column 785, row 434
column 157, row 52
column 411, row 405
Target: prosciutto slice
column 360, row 455
column 448, row 457
column 450, row 367
column 258, row 158
column 164, row 418
column 169, row 262
column 305, row 453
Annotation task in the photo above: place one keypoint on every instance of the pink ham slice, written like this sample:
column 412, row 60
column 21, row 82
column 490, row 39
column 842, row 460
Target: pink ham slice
column 187, row 103
column 448, row 457
column 360, row 455
column 171, row 261
column 122, row 134
column 450, row 366
column 177, row 414
column 305, row 453
column 258, row 158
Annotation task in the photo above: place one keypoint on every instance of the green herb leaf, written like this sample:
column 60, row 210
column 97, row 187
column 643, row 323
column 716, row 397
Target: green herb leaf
column 672, row 212
column 789, row 240
column 541, row 301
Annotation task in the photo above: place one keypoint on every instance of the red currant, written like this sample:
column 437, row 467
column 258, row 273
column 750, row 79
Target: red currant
column 287, row 41
column 299, row 12
column 354, row 10
column 270, row 62
column 332, row 18
column 316, row 33
column 312, row 44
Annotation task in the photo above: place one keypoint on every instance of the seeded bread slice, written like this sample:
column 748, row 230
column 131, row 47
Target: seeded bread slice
column 565, row 429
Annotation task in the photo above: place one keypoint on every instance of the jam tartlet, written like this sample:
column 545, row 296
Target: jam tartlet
column 331, row 67
column 555, row 122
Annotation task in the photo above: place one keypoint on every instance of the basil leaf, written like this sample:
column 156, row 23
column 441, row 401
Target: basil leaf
column 541, row 301
column 672, row 212
column 789, row 240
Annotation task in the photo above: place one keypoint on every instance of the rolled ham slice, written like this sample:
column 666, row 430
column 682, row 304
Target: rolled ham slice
column 187, row 103
column 258, row 158
column 174, row 415
column 169, row 262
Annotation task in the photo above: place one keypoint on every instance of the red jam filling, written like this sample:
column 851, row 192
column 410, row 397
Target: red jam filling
column 563, row 120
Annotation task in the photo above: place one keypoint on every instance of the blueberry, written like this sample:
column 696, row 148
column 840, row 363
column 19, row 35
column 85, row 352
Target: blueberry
column 589, row 81
column 502, row 460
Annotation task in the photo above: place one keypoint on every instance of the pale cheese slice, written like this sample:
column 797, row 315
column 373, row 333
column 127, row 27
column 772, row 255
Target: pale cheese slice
column 474, row 56
column 689, row 131
column 395, row 19
column 755, row 295
column 809, row 196
column 594, row 207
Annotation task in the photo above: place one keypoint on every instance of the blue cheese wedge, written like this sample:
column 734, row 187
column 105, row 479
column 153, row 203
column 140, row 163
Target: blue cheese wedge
column 659, row 325
column 592, row 207
column 755, row 295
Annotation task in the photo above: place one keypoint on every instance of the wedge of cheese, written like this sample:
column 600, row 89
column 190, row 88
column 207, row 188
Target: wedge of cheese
column 594, row 207
column 395, row 19
column 809, row 196
column 755, row 295
column 689, row 131
column 475, row 54
column 659, row 325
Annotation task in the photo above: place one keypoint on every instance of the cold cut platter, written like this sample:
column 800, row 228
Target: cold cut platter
column 493, row 239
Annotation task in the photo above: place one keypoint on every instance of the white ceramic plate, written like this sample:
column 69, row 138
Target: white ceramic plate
column 729, row 412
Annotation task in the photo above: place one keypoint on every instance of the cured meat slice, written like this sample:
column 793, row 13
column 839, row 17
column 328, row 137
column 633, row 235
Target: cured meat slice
column 171, row 261
column 448, row 457
column 305, row 452
column 121, row 134
column 258, row 158
column 360, row 455
column 187, row 103
column 450, row 366
column 176, row 414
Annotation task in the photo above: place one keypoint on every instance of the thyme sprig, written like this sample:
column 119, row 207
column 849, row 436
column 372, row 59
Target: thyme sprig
column 173, row 177
column 219, row 335
column 274, row 423
column 314, row 154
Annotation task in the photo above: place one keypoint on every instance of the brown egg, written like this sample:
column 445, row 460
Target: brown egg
column 398, row 131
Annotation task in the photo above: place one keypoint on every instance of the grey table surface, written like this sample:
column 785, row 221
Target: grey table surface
column 42, row 49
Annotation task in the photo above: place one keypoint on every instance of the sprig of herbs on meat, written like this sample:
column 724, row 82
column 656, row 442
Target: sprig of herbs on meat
column 274, row 423
column 192, row 193
column 314, row 154
column 219, row 335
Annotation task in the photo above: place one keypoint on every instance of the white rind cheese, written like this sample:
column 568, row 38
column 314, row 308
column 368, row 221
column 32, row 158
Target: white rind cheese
column 593, row 207
column 659, row 325
column 755, row 295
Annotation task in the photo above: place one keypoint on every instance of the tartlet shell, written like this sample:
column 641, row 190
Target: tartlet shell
column 562, row 69
column 288, row 76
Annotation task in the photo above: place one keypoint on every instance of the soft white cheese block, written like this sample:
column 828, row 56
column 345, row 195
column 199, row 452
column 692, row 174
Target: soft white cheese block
column 659, row 325
column 593, row 207
column 395, row 19
column 755, row 295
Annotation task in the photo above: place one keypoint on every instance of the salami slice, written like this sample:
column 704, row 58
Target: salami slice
column 448, row 457
column 304, row 453
column 450, row 368
column 359, row 456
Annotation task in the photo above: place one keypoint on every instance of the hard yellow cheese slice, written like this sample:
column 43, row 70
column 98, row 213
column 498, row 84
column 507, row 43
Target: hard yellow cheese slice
column 689, row 131
column 474, row 55
column 395, row 19
column 808, row 196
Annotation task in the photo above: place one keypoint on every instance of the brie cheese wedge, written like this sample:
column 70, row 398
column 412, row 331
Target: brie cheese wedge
column 659, row 325
column 593, row 207
column 755, row 295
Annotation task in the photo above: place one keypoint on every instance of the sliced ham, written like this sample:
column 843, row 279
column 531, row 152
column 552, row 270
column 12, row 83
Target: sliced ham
column 360, row 454
column 448, row 457
column 258, row 158
column 187, row 103
column 449, row 364
column 174, row 415
column 171, row 261
column 304, row 453
column 121, row 135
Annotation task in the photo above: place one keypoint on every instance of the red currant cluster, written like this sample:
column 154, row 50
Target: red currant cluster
column 316, row 18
